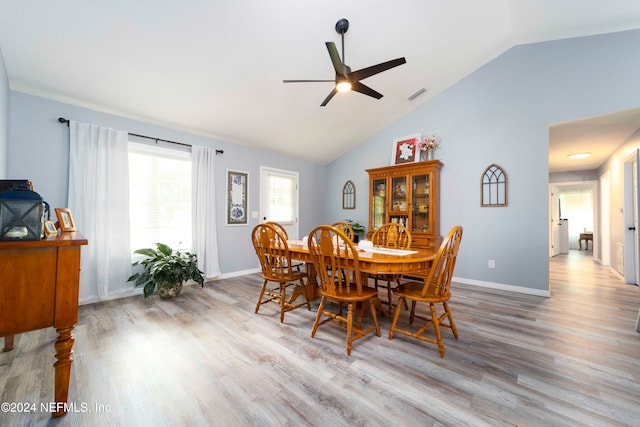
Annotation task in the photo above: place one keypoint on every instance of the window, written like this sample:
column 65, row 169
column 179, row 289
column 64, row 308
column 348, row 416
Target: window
column 159, row 196
column 280, row 205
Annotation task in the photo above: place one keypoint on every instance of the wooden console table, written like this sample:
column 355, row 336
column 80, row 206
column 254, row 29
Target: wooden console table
column 39, row 287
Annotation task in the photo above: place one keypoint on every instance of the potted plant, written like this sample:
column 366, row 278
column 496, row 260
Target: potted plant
column 165, row 270
column 358, row 229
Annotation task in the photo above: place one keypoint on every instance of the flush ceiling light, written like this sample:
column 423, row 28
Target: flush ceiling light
column 578, row 155
column 343, row 86
column 416, row 94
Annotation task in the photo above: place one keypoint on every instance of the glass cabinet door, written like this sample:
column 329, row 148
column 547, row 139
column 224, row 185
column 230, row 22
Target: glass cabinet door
column 378, row 203
column 420, row 203
column 399, row 201
column 399, row 194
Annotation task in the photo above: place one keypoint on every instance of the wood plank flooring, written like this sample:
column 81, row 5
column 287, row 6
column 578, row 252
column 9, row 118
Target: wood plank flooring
column 206, row 359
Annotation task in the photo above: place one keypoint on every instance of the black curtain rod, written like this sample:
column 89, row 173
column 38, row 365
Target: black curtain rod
column 63, row 120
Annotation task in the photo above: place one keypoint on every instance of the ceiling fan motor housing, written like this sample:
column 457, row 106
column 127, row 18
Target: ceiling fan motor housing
column 342, row 26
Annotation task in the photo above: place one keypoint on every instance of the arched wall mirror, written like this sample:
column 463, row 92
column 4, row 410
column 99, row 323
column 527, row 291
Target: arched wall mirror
column 494, row 186
column 349, row 195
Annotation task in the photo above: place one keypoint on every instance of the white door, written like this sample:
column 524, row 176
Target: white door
column 636, row 209
column 631, row 233
column 279, row 198
column 554, row 216
column 605, row 219
column 636, row 232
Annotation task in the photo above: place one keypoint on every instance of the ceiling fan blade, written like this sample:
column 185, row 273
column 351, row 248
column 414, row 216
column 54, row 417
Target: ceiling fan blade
column 359, row 87
column 328, row 98
column 335, row 59
column 375, row 69
column 307, row 81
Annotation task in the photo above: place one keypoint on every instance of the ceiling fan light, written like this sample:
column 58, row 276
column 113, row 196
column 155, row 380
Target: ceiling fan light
column 343, row 86
column 578, row 155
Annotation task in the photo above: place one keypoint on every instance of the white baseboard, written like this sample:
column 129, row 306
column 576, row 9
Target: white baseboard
column 116, row 295
column 491, row 285
column 138, row 291
column 235, row 274
column 502, row 286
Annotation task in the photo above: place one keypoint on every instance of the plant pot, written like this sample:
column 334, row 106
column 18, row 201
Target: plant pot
column 168, row 290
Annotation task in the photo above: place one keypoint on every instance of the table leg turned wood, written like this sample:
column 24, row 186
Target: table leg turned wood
column 64, row 354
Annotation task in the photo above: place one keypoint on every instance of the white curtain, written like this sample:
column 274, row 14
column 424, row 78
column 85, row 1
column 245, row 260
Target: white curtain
column 577, row 207
column 205, row 237
column 99, row 203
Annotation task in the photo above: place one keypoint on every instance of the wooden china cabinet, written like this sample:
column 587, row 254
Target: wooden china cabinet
column 410, row 195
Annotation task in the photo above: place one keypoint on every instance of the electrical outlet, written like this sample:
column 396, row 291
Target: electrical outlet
column 491, row 264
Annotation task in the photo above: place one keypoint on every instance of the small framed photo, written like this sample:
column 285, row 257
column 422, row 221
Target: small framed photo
column 50, row 229
column 405, row 149
column 65, row 219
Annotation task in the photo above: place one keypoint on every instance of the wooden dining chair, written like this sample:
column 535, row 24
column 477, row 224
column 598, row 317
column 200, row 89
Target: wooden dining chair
column 390, row 235
column 345, row 228
column 275, row 260
column 336, row 262
column 283, row 231
column 436, row 289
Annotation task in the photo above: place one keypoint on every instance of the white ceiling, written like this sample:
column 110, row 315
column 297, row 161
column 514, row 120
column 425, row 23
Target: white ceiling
column 215, row 68
column 600, row 136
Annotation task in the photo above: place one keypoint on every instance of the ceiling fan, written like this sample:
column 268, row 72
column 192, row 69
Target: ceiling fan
column 345, row 78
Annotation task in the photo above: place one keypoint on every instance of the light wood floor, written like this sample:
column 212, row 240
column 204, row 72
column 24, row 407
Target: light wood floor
column 207, row 359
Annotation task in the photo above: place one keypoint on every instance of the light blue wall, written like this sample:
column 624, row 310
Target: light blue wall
column 39, row 151
column 501, row 114
column 4, row 117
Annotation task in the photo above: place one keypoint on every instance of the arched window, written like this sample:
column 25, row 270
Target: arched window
column 493, row 188
column 349, row 195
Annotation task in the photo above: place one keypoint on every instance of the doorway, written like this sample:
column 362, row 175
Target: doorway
column 572, row 212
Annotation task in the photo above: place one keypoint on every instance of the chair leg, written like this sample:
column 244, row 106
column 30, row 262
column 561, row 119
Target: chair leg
column 262, row 290
column 406, row 307
column 314, row 329
column 374, row 315
column 349, row 328
column 413, row 312
column 396, row 315
column 283, row 296
column 436, row 326
column 452, row 325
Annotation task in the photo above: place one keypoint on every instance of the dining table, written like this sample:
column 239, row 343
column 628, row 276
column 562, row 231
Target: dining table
column 373, row 260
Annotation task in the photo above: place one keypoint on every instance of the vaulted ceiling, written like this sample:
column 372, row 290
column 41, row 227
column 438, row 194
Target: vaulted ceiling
column 215, row 68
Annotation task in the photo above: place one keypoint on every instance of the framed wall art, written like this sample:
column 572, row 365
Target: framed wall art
column 405, row 149
column 237, row 183
column 494, row 186
column 349, row 195
column 65, row 220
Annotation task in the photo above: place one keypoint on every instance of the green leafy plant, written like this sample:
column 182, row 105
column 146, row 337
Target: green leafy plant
column 357, row 228
column 164, row 268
